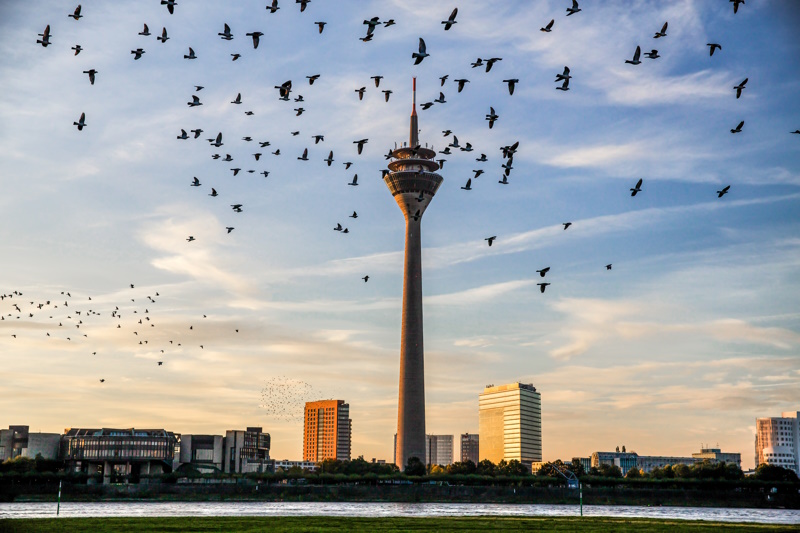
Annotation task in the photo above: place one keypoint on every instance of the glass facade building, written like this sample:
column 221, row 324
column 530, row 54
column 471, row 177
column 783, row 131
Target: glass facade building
column 510, row 423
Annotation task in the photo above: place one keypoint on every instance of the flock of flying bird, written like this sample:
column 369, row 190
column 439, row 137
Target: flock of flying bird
column 279, row 388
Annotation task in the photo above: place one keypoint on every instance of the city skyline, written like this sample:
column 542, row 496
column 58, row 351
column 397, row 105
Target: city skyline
column 690, row 337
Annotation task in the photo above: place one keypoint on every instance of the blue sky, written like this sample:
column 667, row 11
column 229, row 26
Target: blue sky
column 692, row 335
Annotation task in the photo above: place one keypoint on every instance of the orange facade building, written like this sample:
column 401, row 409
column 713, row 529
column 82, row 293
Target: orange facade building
column 326, row 431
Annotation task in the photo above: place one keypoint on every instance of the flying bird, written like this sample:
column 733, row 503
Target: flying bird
column 608, row 266
column 543, row 285
column 92, row 73
column 163, row 37
column 354, row 183
column 195, row 101
column 213, row 192
column 272, row 8
column 238, row 99
column 564, row 86
column 145, row 31
column 77, row 49
column 468, row 186
column 229, row 228
column 45, row 41
column 170, row 5
column 365, row 278
column 566, row 225
column 419, row 56
column 361, row 144
column 312, row 79
column 190, row 239
column 738, row 128
column 191, row 54
column 81, row 122
column 736, row 5
column 571, row 11
column 196, row 132
column 739, row 88
column 234, row 57
column 354, row 215
column 636, row 55
column 638, row 187
column 226, row 33
column 361, row 92
column 543, row 271
column 195, row 182
column 451, row 20
column 511, row 84
column 388, row 23
column 183, row 134
column 256, row 36
column 492, row 61
column 304, row 157
column 712, row 47
column 662, row 33
column 653, row 54
column 303, row 4
column 77, row 13
column 218, row 141
column 321, row 25
column 492, row 117
column 138, row 53
column 549, row 27
column 724, row 191
column 490, row 240
column 386, row 94
column 461, row 82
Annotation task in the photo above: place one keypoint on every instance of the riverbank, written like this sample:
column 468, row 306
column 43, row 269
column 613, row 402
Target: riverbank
column 621, row 495
column 384, row 524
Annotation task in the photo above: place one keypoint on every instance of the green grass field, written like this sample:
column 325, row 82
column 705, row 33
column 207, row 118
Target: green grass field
column 372, row 525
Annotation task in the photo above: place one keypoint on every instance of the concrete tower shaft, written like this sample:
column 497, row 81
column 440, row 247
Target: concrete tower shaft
column 413, row 183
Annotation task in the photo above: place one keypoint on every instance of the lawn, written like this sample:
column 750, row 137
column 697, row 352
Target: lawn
column 372, row 525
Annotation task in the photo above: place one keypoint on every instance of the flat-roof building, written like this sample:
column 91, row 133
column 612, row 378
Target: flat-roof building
column 510, row 423
column 119, row 454
column 778, row 441
column 470, row 448
column 439, row 449
column 18, row 441
column 326, row 431
column 246, row 451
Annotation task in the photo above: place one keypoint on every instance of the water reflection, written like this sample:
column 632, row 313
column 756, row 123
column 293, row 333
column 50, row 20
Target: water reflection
column 129, row 509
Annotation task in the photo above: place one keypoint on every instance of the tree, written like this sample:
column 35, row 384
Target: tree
column 768, row 472
column 464, row 468
column 633, row 473
column 486, row 468
column 415, row 467
column 682, row 471
column 438, row 470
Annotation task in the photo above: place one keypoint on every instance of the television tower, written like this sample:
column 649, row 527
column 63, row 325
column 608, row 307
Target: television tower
column 413, row 182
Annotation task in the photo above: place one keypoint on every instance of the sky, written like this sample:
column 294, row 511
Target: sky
column 692, row 334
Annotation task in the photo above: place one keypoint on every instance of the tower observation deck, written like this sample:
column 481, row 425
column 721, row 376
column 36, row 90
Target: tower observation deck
column 413, row 182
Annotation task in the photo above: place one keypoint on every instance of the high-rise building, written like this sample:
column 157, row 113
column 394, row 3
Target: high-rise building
column 470, row 449
column 413, row 182
column 778, row 441
column 327, row 430
column 439, row 449
column 510, row 423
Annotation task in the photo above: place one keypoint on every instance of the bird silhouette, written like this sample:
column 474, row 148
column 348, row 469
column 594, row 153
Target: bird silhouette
column 163, row 38
column 355, row 181
column 542, row 286
column 256, row 35
column 321, row 25
column 543, row 271
column 549, row 27
column 724, row 191
column 511, row 84
column 490, row 240
column 226, row 33
column 81, row 122
column 92, row 73
column 738, row 128
column 361, row 144
column 191, row 54
column 638, row 188
column 419, row 56
column 566, row 225
column 77, row 13
column 712, row 47
column 663, row 32
column 739, row 88
column 571, row 11
column 636, row 54
column 450, row 20
column 145, row 31
column 468, row 186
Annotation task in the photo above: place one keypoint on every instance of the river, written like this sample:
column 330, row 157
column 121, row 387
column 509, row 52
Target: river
column 142, row 509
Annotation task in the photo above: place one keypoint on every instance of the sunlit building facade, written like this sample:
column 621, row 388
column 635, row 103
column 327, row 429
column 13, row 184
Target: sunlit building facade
column 777, row 440
column 326, row 431
column 510, row 423
column 439, row 449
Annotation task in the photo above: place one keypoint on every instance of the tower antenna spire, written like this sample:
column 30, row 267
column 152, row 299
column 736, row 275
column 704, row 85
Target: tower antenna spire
column 414, row 136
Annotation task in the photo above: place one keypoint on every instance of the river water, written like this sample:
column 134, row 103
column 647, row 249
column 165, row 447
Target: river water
column 376, row 509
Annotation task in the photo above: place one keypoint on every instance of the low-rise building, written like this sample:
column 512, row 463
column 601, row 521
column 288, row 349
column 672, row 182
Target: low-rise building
column 18, row 441
column 286, row 464
column 203, row 453
column 716, row 455
column 120, row 455
column 623, row 460
column 246, row 451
